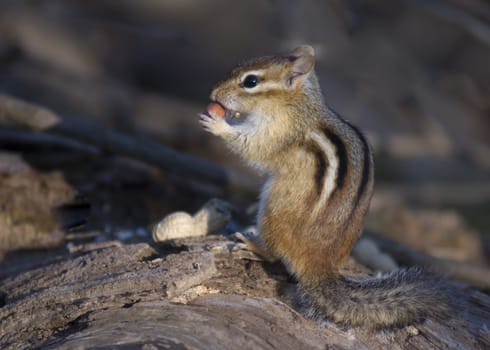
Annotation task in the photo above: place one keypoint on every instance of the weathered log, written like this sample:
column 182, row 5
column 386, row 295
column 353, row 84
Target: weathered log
column 204, row 299
column 45, row 300
column 31, row 202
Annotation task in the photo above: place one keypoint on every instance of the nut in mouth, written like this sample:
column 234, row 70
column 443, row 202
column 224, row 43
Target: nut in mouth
column 217, row 109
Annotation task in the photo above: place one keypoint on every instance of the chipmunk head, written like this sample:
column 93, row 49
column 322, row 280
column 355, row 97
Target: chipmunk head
column 258, row 87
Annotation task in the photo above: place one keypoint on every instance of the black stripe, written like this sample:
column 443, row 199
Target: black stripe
column 321, row 166
column 366, row 161
column 341, row 155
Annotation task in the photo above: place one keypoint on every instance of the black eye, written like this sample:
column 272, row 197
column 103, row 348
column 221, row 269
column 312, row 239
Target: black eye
column 250, row 81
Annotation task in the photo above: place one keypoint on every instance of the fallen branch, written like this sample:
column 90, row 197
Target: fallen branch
column 26, row 114
column 26, row 137
column 469, row 273
column 38, row 118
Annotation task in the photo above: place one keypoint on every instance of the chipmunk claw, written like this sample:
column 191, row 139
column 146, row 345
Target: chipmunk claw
column 206, row 121
column 254, row 243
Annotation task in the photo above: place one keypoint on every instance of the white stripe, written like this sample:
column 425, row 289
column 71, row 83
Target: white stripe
column 265, row 86
column 332, row 169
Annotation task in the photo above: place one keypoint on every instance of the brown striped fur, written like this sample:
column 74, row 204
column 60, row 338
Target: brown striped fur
column 320, row 181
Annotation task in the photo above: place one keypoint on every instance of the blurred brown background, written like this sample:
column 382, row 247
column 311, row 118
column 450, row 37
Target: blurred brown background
column 415, row 75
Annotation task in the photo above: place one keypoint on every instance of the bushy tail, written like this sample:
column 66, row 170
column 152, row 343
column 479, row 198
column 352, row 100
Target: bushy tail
column 395, row 299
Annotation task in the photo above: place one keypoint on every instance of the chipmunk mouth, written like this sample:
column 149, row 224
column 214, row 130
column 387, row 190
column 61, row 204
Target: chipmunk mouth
column 231, row 116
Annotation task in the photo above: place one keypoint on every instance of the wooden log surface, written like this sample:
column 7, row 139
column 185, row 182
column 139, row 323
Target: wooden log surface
column 208, row 297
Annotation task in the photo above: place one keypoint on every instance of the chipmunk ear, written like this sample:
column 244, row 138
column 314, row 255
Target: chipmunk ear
column 303, row 62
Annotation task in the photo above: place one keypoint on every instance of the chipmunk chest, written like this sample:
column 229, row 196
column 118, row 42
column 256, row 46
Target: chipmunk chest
column 283, row 211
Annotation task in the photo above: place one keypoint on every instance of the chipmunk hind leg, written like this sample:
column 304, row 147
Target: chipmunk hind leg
column 256, row 244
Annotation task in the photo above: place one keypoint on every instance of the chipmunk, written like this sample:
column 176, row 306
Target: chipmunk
column 320, row 176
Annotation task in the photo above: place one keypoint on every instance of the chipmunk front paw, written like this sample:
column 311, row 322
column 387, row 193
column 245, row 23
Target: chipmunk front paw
column 215, row 125
column 214, row 121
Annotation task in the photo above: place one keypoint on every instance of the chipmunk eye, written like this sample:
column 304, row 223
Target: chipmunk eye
column 250, row 81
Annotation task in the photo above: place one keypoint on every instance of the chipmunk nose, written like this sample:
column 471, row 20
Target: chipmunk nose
column 218, row 93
